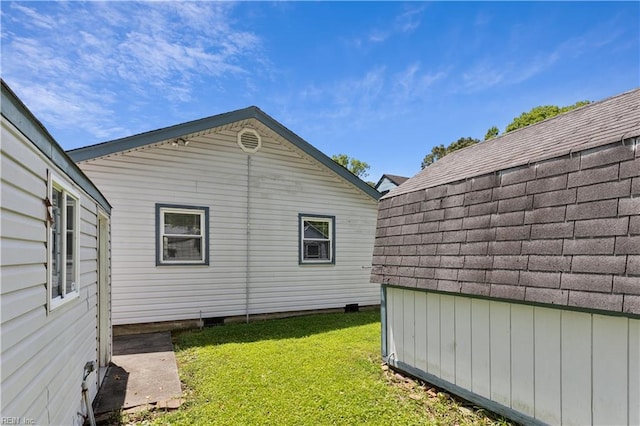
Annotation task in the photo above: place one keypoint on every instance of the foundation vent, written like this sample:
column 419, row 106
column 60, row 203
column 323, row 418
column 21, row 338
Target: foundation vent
column 249, row 140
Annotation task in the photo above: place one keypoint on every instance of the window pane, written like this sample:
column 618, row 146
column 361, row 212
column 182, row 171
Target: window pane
column 71, row 247
column 316, row 250
column 316, row 229
column 56, row 244
column 182, row 223
column 179, row 248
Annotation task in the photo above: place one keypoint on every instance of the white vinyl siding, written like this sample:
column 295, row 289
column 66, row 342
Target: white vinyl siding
column 254, row 201
column 556, row 366
column 43, row 353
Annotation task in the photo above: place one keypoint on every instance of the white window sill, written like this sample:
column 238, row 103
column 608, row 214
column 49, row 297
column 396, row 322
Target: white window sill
column 60, row 301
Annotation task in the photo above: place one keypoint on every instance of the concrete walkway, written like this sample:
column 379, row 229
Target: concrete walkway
column 142, row 374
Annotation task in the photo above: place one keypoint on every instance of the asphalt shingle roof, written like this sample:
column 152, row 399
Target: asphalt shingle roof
column 610, row 120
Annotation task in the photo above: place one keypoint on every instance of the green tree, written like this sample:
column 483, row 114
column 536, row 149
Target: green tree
column 536, row 114
column 491, row 133
column 355, row 166
column 440, row 151
column 540, row 113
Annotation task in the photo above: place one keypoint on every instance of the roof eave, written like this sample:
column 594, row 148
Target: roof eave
column 17, row 113
column 147, row 138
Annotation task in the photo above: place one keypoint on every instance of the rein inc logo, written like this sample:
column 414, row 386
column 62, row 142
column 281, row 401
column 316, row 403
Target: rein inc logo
column 17, row 421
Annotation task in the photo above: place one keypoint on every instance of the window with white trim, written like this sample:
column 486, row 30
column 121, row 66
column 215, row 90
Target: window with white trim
column 182, row 235
column 317, row 238
column 64, row 242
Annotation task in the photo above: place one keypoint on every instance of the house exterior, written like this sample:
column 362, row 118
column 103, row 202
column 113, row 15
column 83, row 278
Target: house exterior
column 510, row 270
column 55, row 325
column 231, row 216
column 387, row 182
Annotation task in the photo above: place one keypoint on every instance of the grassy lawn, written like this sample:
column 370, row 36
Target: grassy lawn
column 312, row 370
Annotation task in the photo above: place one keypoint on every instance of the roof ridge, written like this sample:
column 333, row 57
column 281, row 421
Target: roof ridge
column 598, row 123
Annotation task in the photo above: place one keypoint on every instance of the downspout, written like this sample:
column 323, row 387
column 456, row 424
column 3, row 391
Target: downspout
column 247, row 246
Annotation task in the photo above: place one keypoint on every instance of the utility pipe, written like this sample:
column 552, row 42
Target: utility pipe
column 247, row 243
column 89, row 367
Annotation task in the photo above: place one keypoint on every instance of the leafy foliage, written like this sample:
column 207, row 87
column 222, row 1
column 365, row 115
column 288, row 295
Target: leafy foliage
column 491, row 133
column 355, row 166
column 440, row 151
column 535, row 115
column 540, row 113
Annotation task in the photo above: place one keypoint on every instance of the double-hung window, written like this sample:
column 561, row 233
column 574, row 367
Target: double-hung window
column 317, row 238
column 64, row 237
column 182, row 235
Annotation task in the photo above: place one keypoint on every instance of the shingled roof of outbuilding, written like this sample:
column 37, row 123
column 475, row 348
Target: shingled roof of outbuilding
column 610, row 120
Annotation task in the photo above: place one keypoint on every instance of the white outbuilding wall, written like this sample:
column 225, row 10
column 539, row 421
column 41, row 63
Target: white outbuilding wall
column 550, row 365
column 44, row 348
column 510, row 269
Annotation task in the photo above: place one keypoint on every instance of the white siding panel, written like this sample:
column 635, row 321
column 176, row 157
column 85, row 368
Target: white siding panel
column 463, row 342
column 547, row 365
column 559, row 367
column 433, row 334
column 480, row 348
column 14, row 146
column 500, row 338
column 610, row 369
column 213, row 171
column 15, row 277
column 16, row 303
column 393, row 311
column 420, row 330
column 576, row 368
column 522, row 359
column 23, row 202
column 19, row 227
column 447, row 338
column 14, row 331
column 409, row 338
column 634, row 373
column 18, row 252
column 14, row 171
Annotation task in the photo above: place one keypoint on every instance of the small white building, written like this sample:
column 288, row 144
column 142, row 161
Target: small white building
column 55, row 326
column 510, row 270
column 231, row 215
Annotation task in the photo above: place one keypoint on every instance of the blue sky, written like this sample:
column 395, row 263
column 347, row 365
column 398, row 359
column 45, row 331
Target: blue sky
column 380, row 81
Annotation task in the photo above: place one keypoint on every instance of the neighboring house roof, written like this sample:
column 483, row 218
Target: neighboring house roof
column 388, row 182
column 397, row 180
column 179, row 130
column 19, row 115
column 599, row 123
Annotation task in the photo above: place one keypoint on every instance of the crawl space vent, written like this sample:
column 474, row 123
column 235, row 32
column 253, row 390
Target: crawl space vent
column 249, row 140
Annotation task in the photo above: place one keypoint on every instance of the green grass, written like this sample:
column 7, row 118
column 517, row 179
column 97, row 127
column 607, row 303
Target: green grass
column 312, row 370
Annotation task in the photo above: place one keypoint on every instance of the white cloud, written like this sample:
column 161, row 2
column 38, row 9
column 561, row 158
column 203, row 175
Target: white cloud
column 34, row 18
column 64, row 107
column 523, row 63
column 375, row 95
column 409, row 20
column 406, row 22
column 148, row 49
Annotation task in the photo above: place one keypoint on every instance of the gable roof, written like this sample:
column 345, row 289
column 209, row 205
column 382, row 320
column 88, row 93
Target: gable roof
column 610, row 120
column 147, row 138
column 16, row 112
column 397, row 180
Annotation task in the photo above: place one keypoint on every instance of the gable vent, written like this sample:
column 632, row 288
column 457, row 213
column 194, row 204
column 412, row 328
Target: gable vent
column 249, row 140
